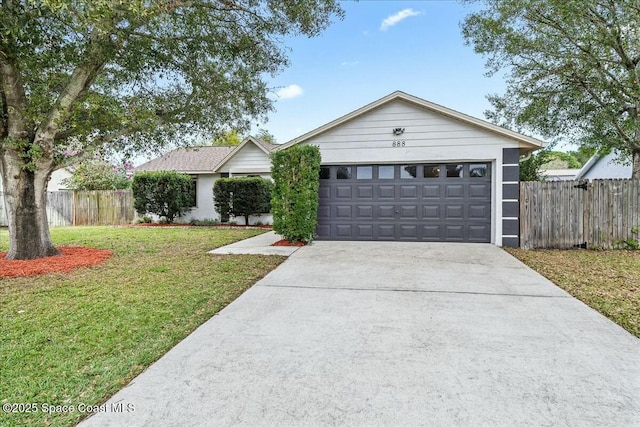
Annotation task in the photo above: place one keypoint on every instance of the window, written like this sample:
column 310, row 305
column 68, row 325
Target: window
column 193, row 191
column 325, row 172
column 386, row 172
column 224, row 175
column 343, row 172
column 455, row 171
column 408, row 171
column 431, row 171
column 364, row 172
column 478, row 170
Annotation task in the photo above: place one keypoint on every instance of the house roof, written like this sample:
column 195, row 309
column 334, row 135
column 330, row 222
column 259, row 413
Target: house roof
column 264, row 144
column 614, row 169
column 190, row 159
column 564, row 174
column 266, row 147
column 528, row 141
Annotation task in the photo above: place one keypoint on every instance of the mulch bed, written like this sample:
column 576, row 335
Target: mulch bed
column 285, row 242
column 72, row 257
column 177, row 225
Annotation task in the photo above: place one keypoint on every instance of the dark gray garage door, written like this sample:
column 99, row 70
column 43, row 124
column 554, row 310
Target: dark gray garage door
column 410, row 202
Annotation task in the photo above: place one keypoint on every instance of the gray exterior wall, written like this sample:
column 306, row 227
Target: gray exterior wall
column 511, row 197
column 428, row 137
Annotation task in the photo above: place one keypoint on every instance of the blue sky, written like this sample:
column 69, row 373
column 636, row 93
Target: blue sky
column 380, row 47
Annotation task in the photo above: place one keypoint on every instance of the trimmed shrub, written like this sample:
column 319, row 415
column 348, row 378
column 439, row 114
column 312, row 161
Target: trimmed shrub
column 166, row 194
column 242, row 196
column 294, row 202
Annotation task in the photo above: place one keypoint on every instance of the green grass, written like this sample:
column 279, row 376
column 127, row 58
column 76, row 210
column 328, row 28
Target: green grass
column 607, row 281
column 79, row 337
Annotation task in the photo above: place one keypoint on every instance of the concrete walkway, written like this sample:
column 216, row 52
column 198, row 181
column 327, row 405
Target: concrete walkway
column 347, row 333
column 257, row 245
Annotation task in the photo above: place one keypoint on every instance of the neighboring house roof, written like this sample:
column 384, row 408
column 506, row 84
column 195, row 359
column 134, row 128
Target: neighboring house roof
column 201, row 159
column 560, row 174
column 266, row 147
column 191, row 159
column 604, row 167
column 264, row 144
column 529, row 142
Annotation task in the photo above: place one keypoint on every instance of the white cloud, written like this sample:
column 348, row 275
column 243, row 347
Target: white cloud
column 392, row 20
column 349, row 63
column 288, row 92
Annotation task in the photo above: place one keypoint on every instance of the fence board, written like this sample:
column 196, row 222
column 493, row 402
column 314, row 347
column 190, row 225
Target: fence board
column 557, row 214
column 60, row 208
column 104, row 207
column 3, row 215
column 65, row 208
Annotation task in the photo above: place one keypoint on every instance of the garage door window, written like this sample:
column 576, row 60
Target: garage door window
column 478, row 170
column 364, row 172
column 408, row 171
column 455, row 171
column 386, row 172
column 432, row 171
column 325, row 173
column 343, row 172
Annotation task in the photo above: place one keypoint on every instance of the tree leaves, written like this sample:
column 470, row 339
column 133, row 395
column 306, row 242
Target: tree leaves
column 572, row 68
column 165, row 68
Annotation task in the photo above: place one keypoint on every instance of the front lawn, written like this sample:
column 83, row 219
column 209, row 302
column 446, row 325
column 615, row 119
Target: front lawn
column 77, row 338
column 608, row 281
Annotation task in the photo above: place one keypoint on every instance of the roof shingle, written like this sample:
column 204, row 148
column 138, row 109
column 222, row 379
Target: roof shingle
column 266, row 145
column 190, row 159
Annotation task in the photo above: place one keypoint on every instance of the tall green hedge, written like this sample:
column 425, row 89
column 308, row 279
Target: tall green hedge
column 294, row 202
column 166, row 194
column 242, row 196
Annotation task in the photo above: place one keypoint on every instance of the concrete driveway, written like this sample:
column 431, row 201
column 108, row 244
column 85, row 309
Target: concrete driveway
column 347, row 333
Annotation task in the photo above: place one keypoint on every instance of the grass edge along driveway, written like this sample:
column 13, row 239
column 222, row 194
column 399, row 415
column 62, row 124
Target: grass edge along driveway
column 76, row 338
column 607, row 281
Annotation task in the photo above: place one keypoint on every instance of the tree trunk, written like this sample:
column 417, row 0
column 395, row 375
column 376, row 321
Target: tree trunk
column 25, row 194
column 635, row 174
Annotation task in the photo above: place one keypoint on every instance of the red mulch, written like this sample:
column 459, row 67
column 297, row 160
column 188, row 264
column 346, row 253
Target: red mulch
column 153, row 224
column 244, row 226
column 72, row 257
column 285, row 242
column 177, row 225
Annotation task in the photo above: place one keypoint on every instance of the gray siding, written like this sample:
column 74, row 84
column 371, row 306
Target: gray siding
column 511, row 197
column 249, row 159
column 608, row 168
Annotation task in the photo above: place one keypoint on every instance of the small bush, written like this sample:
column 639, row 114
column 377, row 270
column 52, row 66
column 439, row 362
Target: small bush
column 144, row 220
column 294, row 201
column 166, row 194
column 630, row 242
column 204, row 222
column 242, row 196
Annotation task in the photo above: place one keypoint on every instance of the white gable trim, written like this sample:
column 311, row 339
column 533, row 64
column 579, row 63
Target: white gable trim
column 528, row 141
column 238, row 149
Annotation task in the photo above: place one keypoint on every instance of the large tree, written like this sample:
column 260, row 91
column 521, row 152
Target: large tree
column 571, row 68
column 128, row 75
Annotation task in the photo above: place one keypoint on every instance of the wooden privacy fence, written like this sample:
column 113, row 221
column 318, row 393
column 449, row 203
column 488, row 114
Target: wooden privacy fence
column 104, row 207
column 568, row 214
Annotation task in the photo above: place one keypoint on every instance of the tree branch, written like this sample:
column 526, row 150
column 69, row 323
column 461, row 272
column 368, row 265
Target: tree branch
column 14, row 97
column 3, row 114
column 604, row 106
column 598, row 65
column 79, row 81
